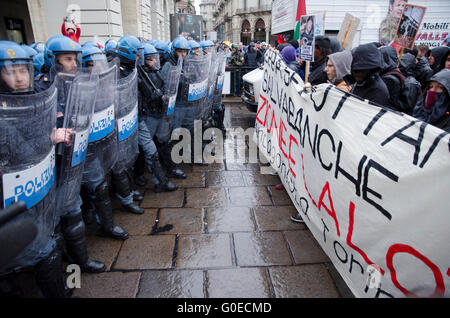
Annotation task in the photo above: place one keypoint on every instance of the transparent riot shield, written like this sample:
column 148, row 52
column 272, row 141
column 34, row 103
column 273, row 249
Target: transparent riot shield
column 127, row 120
column 102, row 147
column 194, row 86
column 221, row 60
column 27, row 166
column 212, row 80
column 78, row 114
column 171, row 87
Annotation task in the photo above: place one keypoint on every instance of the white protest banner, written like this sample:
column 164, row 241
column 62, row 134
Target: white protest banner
column 433, row 33
column 372, row 185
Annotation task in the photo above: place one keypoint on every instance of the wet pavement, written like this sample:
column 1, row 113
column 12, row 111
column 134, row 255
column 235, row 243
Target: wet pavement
column 232, row 237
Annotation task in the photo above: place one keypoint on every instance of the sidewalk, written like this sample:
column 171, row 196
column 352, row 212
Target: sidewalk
column 232, row 237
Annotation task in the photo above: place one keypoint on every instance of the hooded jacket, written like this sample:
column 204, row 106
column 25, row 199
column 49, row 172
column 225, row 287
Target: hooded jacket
column 439, row 114
column 438, row 54
column 368, row 57
column 412, row 89
column 392, row 76
column 342, row 62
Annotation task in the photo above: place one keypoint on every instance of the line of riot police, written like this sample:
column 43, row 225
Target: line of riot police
column 71, row 116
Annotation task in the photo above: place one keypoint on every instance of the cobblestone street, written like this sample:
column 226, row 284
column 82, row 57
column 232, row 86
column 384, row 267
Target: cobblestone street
column 232, row 237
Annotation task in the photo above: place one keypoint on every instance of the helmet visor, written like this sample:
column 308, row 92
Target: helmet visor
column 140, row 56
column 152, row 61
column 16, row 77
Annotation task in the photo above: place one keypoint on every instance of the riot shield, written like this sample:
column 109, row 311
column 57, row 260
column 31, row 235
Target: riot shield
column 212, row 80
column 171, row 87
column 221, row 60
column 27, row 166
column 194, row 86
column 102, row 147
column 127, row 120
column 78, row 113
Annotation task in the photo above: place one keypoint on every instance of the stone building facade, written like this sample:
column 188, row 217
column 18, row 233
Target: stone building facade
column 207, row 9
column 243, row 20
column 30, row 21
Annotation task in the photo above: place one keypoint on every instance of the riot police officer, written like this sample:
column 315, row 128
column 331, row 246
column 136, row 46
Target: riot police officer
column 153, row 116
column 130, row 51
column 63, row 55
column 22, row 153
column 179, row 49
column 102, row 150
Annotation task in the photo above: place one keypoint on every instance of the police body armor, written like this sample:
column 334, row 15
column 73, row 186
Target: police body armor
column 102, row 147
column 28, row 167
column 79, row 108
column 127, row 120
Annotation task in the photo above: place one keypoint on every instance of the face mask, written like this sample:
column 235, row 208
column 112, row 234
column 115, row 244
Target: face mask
column 430, row 100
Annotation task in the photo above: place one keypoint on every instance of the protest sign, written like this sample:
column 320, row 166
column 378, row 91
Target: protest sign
column 371, row 184
column 409, row 25
column 319, row 22
column 347, row 31
column 433, row 32
column 307, row 36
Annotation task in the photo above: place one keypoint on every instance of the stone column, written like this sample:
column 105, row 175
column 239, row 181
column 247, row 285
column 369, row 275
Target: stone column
column 38, row 23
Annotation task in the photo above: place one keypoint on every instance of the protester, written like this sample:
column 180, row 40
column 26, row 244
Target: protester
column 70, row 29
column 391, row 75
column 422, row 50
column 317, row 74
column 412, row 88
column 253, row 58
column 445, row 62
column 436, row 56
column 366, row 65
column 290, row 58
column 434, row 106
column 339, row 65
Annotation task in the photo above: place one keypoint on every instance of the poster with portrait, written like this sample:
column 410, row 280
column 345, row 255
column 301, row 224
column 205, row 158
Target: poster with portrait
column 187, row 25
column 389, row 25
column 409, row 25
column 307, row 37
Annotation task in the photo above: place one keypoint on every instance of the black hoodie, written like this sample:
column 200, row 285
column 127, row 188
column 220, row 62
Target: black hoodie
column 392, row 76
column 368, row 57
column 413, row 89
column 438, row 54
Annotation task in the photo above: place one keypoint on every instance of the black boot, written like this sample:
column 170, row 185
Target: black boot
column 164, row 150
column 74, row 233
column 105, row 213
column 137, row 196
column 122, row 185
column 49, row 276
column 164, row 183
column 88, row 207
column 139, row 169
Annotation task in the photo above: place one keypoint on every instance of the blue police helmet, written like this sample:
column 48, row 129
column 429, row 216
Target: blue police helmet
column 38, row 62
column 206, row 44
column 60, row 44
column 92, row 53
column 162, row 47
column 32, row 52
column 13, row 53
column 149, row 50
column 110, row 45
column 179, row 43
column 152, row 42
column 194, row 44
column 129, row 47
